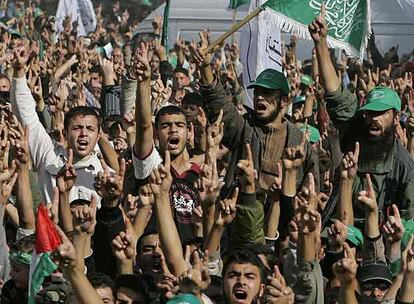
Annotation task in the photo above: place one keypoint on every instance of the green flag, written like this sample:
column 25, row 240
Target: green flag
column 349, row 22
column 165, row 27
column 236, row 3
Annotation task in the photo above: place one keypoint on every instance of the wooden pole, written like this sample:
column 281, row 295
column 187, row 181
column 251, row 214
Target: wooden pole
column 232, row 23
column 233, row 29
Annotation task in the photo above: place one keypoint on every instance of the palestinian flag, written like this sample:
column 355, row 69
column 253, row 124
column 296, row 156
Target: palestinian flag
column 349, row 22
column 46, row 241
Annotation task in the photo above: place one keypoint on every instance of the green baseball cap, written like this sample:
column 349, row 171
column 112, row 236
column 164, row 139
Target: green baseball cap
column 306, row 80
column 271, row 79
column 354, row 236
column 409, row 231
column 382, row 99
column 314, row 135
column 185, row 298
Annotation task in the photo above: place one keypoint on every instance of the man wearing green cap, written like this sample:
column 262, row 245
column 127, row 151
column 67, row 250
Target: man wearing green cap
column 373, row 126
column 264, row 127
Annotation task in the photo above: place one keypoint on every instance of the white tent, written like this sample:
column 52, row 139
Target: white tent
column 392, row 24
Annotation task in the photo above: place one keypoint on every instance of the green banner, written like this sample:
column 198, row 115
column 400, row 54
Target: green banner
column 165, row 27
column 236, row 3
column 348, row 21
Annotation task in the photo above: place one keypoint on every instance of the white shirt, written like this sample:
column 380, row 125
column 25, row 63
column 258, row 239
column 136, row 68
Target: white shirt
column 143, row 167
column 47, row 158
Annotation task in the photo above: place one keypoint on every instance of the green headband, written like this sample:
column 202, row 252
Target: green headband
column 22, row 258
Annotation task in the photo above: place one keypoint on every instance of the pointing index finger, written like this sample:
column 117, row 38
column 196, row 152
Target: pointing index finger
column 249, row 155
column 356, row 151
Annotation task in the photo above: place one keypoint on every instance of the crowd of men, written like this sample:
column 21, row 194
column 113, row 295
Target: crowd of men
column 164, row 188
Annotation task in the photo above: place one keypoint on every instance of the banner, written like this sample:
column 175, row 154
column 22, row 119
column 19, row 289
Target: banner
column 236, row 3
column 349, row 22
column 81, row 12
column 260, row 47
column 165, row 27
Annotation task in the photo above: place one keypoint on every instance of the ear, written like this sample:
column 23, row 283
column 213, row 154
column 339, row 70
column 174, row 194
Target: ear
column 396, row 118
column 284, row 102
column 262, row 289
column 65, row 133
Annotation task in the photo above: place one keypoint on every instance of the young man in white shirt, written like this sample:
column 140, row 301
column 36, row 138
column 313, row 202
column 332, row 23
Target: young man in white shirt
column 81, row 131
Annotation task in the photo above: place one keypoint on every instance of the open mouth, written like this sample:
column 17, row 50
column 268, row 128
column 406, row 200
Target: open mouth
column 156, row 264
column 83, row 144
column 173, row 142
column 374, row 129
column 260, row 107
column 240, row 294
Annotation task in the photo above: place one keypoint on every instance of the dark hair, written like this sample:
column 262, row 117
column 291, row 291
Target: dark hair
column 181, row 70
column 80, row 111
column 94, row 69
column 271, row 257
column 132, row 282
column 2, row 76
column 25, row 244
column 167, row 110
column 245, row 257
column 193, row 99
column 101, row 280
column 143, row 236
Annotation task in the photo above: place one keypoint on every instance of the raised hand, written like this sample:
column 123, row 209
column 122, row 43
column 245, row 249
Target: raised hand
column 308, row 196
column 197, row 277
column 367, row 197
column 393, row 227
column 307, row 220
column 168, row 283
column 349, row 165
column 161, row 177
column 294, row 156
column 209, row 184
column 141, row 66
column 65, row 255
column 22, row 147
column 345, row 269
column 318, row 28
column 107, row 68
column 200, row 55
column 226, row 210
column 277, row 182
column 110, row 185
column 124, row 244
column 7, row 188
column 249, row 176
column 276, row 290
column 66, row 176
column 337, row 235
column 6, row 171
column 215, row 132
column 20, row 59
column 84, row 217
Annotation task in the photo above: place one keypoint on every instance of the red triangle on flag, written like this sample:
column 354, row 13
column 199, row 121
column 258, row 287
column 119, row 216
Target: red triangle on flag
column 47, row 238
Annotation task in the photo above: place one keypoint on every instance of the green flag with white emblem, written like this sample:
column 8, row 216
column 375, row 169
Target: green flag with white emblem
column 348, row 21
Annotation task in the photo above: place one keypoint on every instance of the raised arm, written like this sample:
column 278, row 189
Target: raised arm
column 319, row 31
column 24, row 105
column 161, row 180
column 74, row 272
column 143, row 114
column 24, row 193
column 349, row 167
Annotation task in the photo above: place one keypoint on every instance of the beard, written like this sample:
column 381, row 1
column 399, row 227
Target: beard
column 262, row 121
column 376, row 148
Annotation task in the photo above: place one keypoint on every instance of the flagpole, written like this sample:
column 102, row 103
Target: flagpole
column 233, row 29
column 233, row 22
